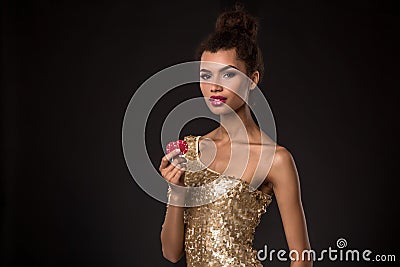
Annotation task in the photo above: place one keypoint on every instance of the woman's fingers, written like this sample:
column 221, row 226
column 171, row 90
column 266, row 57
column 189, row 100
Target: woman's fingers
column 173, row 153
column 170, row 167
column 182, row 166
column 170, row 175
column 176, row 177
column 168, row 157
column 172, row 172
column 176, row 163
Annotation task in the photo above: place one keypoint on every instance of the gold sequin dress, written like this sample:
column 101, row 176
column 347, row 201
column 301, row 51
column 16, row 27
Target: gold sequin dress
column 220, row 233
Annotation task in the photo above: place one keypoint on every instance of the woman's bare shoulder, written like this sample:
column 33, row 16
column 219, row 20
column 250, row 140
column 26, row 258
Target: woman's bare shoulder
column 282, row 164
column 282, row 154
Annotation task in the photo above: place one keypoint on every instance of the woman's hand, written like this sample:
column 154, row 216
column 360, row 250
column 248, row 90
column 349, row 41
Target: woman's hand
column 172, row 172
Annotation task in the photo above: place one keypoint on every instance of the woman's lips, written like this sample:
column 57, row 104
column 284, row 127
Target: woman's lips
column 217, row 100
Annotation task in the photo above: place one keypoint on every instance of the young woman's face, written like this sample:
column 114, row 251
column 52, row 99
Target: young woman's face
column 223, row 82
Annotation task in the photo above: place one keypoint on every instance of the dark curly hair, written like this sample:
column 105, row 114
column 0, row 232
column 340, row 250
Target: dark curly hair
column 236, row 29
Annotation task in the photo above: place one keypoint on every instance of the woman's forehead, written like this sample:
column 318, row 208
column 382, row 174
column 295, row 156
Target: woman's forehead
column 221, row 59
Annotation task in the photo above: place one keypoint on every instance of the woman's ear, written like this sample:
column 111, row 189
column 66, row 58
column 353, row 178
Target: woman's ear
column 254, row 80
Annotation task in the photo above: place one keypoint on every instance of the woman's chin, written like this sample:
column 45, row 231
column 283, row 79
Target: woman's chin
column 223, row 108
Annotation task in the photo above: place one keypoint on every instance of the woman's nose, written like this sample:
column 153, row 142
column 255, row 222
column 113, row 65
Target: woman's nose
column 216, row 88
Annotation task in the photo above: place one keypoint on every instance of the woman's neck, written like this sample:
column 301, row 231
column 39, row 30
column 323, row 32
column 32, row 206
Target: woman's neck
column 237, row 126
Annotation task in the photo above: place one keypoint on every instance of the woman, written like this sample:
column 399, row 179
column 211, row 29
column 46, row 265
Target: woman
column 221, row 233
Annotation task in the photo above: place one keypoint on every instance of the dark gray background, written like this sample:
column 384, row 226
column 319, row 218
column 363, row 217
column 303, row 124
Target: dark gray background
column 70, row 68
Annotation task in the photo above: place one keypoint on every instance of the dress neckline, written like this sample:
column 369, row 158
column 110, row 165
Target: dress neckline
column 234, row 177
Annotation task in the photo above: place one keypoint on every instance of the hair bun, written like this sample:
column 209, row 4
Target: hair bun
column 237, row 20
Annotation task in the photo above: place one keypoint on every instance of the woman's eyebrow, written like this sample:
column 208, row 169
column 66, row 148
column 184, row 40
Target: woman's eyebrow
column 228, row 67
column 205, row 70
column 222, row 69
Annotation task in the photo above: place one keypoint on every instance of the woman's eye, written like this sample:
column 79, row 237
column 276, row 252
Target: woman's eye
column 205, row 76
column 229, row 75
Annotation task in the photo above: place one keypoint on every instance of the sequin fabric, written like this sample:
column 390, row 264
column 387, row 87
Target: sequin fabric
column 221, row 233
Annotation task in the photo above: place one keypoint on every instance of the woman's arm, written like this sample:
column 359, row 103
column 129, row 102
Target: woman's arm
column 284, row 177
column 172, row 232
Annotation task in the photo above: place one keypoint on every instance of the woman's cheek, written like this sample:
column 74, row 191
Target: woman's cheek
column 235, row 102
column 237, row 87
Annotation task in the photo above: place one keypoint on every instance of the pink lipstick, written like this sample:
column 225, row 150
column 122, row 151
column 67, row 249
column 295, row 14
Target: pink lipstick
column 217, row 100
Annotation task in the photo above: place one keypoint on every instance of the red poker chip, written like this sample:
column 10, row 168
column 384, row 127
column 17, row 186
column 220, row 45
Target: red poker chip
column 181, row 144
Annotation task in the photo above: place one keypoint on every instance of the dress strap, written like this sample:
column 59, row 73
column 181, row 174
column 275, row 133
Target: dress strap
column 191, row 153
column 197, row 145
